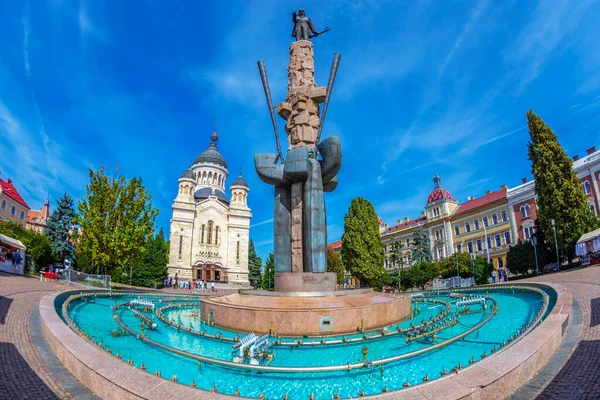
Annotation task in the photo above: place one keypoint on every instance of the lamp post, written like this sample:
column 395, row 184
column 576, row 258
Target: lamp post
column 534, row 243
column 556, row 244
column 473, row 265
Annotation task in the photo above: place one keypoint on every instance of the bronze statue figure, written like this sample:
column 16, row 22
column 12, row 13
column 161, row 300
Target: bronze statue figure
column 302, row 26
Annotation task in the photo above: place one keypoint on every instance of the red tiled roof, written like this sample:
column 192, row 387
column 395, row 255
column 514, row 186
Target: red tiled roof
column 481, row 201
column 11, row 191
column 405, row 224
column 334, row 245
column 32, row 216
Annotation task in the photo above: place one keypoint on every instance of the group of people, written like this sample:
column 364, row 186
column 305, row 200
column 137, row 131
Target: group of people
column 500, row 276
column 176, row 283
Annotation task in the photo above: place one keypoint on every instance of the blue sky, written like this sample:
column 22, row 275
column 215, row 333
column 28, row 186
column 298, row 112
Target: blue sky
column 422, row 85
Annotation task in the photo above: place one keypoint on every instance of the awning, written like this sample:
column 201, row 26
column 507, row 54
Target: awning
column 12, row 242
column 589, row 236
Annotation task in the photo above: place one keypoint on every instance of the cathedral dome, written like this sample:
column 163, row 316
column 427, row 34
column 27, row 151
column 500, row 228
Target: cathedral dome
column 205, row 193
column 240, row 181
column 439, row 193
column 211, row 155
column 187, row 174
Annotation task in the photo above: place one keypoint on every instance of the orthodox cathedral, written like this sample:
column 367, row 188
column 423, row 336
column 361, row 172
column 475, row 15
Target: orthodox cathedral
column 209, row 232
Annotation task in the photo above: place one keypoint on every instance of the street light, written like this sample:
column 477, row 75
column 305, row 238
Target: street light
column 473, row 256
column 556, row 244
column 534, row 243
column 487, row 248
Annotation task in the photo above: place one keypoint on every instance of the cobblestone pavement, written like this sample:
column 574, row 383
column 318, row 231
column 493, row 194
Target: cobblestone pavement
column 23, row 373
column 579, row 377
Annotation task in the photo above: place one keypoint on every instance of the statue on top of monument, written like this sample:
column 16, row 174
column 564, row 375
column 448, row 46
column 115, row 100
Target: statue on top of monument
column 303, row 26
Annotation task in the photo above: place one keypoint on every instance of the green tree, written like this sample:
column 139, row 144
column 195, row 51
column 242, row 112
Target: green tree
column 116, row 218
column 560, row 193
column 254, row 265
column 479, row 267
column 422, row 273
column 422, row 252
column 521, row 258
column 59, row 228
column 268, row 279
column 335, row 264
column 396, row 257
column 362, row 249
column 38, row 252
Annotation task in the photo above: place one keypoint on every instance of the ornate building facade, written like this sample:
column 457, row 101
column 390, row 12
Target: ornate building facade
column 209, row 232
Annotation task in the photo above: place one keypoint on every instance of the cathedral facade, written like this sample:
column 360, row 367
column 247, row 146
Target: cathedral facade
column 209, row 231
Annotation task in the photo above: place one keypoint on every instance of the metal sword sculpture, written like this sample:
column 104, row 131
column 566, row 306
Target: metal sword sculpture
column 300, row 237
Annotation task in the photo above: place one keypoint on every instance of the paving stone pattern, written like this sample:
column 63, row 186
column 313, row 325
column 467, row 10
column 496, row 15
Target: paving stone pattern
column 23, row 373
column 579, row 377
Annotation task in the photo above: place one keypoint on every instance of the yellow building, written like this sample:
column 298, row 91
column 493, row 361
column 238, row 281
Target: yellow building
column 480, row 226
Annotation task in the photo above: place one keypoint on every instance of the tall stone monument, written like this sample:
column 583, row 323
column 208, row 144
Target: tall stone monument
column 309, row 169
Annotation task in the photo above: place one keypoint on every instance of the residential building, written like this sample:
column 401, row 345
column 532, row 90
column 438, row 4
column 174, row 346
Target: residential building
column 12, row 206
column 37, row 220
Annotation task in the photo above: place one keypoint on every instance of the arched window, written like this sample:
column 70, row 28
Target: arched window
column 202, row 234
column 237, row 251
column 13, row 210
column 4, row 204
column 586, row 187
column 525, row 211
column 180, row 245
column 22, row 215
column 210, row 228
column 217, row 230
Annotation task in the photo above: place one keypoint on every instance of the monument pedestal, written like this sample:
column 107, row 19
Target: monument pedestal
column 305, row 282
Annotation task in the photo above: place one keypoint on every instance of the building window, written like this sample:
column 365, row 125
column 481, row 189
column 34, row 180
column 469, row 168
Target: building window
column 467, row 227
column 180, row 246
column 209, row 233
column 438, row 234
column 497, row 239
column 528, row 232
column 504, row 216
column 4, row 204
column 470, row 246
column 592, row 208
column 586, row 187
column 407, row 242
column 489, row 242
column 386, row 263
column 500, row 262
column 459, row 248
column 507, row 237
column 476, row 224
column 436, row 212
column 495, row 219
column 237, row 251
column 457, row 229
column 202, row 234
column 22, row 215
column 217, row 230
column 13, row 210
column 525, row 211
column 479, row 246
column 485, row 221
column 440, row 252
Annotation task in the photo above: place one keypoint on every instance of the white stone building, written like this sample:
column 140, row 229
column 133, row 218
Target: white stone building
column 209, row 233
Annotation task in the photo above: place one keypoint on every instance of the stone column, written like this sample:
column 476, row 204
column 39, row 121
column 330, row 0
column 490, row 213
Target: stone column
column 296, row 197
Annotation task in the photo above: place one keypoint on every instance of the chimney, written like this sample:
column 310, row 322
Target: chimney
column 576, row 157
column 471, row 198
column 386, row 226
column 591, row 150
column 398, row 221
column 488, row 192
column 524, row 180
column 504, row 186
column 422, row 213
column 406, row 219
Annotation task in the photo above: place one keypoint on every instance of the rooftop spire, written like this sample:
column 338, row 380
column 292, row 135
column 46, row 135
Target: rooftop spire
column 213, row 139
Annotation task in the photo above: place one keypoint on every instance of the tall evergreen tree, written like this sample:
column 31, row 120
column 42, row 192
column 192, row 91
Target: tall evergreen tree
column 153, row 266
column 362, row 249
column 59, row 228
column 560, row 193
column 422, row 252
column 116, row 217
column 335, row 264
column 254, row 265
column 268, row 279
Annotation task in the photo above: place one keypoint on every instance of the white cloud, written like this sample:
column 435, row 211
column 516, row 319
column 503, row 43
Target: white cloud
column 265, row 222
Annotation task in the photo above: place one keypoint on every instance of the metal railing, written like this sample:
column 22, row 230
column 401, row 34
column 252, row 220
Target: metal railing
column 70, row 276
column 454, row 282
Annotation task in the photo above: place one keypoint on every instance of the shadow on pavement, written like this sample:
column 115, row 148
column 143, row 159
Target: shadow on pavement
column 5, row 303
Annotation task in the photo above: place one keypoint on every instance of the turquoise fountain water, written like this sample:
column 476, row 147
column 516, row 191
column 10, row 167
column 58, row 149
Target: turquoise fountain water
column 110, row 322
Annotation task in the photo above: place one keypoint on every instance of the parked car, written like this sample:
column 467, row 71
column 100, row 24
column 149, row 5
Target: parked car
column 552, row 267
